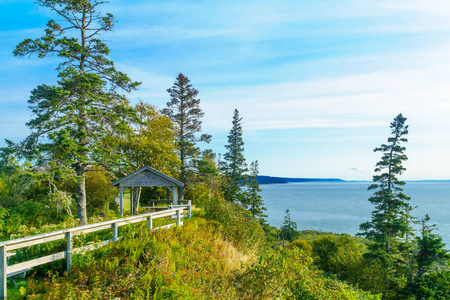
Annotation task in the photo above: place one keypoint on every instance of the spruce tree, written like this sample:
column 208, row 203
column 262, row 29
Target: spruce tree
column 71, row 117
column 234, row 165
column 184, row 110
column 390, row 228
column 253, row 199
column 288, row 231
column 431, row 248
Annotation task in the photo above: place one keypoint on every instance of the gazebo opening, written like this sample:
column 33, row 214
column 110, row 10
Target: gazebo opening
column 146, row 177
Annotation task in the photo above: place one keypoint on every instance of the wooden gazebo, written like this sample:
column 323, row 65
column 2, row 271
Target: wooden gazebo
column 146, row 177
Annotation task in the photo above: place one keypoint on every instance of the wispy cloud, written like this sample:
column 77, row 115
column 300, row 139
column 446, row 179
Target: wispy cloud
column 357, row 170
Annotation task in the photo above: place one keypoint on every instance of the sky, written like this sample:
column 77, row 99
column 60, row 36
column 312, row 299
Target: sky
column 317, row 83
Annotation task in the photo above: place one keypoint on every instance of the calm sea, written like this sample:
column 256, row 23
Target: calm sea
column 341, row 206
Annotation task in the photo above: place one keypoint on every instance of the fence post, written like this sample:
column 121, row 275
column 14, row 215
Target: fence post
column 189, row 209
column 178, row 217
column 3, row 270
column 114, row 229
column 150, row 222
column 69, row 249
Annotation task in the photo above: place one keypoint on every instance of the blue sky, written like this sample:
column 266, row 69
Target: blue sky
column 316, row 82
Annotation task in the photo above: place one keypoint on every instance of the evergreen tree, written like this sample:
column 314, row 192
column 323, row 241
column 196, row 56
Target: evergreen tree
column 390, row 229
column 288, row 231
column 253, row 199
column 208, row 175
column 184, row 110
column 234, row 165
column 71, row 117
column 430, row 247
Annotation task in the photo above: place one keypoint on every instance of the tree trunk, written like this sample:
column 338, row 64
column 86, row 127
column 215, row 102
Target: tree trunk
column 136, row 194
column 81, row 184
column 81, row 191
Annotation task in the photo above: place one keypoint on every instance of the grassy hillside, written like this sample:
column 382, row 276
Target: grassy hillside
column 195, row 261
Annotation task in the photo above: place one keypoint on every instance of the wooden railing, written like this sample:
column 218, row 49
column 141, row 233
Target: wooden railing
column 167, row 201
column 68, row 234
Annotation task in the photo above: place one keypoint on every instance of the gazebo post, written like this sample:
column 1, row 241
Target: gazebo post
column 131, row 201
column 121, row 201
column 174, row 195
column 144, row 177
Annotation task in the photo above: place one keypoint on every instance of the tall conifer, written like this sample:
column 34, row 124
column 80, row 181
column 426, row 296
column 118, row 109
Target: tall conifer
column 253, row 199
column 184, row 110
column 390, row 228
column 234, row 165
column 71, row 118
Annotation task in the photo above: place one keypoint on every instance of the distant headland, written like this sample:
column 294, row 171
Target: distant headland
column 275, row 180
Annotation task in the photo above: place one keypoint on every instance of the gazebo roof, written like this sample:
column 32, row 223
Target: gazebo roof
column 147, row 176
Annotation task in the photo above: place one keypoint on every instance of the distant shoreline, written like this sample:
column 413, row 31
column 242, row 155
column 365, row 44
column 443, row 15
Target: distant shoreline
column 263, row 179
column 280, row 180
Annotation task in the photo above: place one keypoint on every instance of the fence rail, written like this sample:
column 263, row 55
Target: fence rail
column 68, row 234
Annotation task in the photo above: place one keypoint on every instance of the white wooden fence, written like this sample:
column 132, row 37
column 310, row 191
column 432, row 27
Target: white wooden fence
column 68, row 234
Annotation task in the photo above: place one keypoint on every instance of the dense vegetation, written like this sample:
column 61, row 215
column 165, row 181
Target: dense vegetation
column 84, row 135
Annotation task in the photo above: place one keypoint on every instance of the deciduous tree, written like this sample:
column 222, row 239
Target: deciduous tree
column 149, row 141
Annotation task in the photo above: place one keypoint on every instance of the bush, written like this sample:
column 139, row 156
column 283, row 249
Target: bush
column 99, row 192
column 238, row 224
column 302, row 245
column 337, row 254
column 430, row 286
column 289, row 274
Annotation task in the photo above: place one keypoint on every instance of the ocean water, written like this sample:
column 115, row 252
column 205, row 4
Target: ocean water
column 340, row 207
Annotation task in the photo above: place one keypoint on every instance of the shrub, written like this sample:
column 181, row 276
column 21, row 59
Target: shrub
column 99, row 192
column 288, row 274
column 238, row 224
column 337, row 254
column 430, row 286
column 302, row 245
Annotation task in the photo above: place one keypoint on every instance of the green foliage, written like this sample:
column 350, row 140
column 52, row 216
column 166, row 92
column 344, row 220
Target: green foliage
column 234, row 165
column 289, row 275
column 148, row 141
column 237, row 224
column 303, row 246
column 371, row 276
column 70, row 118
column 390, row 227
column 434, row 286
column 184, row 110
column 100, row 194
column 431, row 249
column 207, row 181
column 33, row 197
column 189, row 262
column 288, row 231
column 337, row 254
column 253, row 200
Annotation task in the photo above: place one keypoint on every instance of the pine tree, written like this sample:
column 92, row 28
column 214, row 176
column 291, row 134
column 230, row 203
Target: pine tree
column 184, row 110
column 71, row 117
column 253, row 199
column 234, row 165
column 288, row 231
column 390, row 228
column 431, row 248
